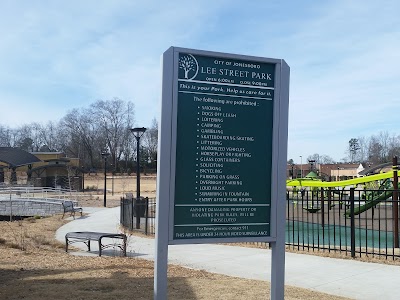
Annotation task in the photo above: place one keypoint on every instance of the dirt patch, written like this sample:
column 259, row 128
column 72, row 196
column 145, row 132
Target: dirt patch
column 33, row 265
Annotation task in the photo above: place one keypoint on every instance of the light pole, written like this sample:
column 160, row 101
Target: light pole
column 338, row 173
column 105, row 154
column 83, row 179
column 137, row 132
column 301, row 166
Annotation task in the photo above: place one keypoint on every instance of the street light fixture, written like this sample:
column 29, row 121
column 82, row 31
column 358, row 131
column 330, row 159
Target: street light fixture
column 105, row 154
column 137, row 132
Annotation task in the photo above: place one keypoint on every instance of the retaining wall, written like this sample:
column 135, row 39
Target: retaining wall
column 30, row 207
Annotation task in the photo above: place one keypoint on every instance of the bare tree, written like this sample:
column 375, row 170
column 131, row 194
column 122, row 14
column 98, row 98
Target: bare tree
column 321, row 159
column 353, row 150
column 375, row 151
column 394, row 146
column 150, row 141
column 50, row 134
column 326, row 159
column 115, row 117
column 315, row 157
column 81, row 135
column 363, row 142
column 384, row 139
column 5, row 136
column 36, row 135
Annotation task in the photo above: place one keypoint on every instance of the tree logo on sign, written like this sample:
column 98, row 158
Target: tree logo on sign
column 189, row 66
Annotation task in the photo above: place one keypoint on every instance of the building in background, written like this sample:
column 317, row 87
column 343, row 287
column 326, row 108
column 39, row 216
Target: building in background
column 41, row 169
column 326, row 172
column 57, row 171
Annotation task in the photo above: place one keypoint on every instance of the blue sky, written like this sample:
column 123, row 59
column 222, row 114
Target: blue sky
column 344, row 58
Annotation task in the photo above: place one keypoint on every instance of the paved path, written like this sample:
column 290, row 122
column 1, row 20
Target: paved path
column 353, row 279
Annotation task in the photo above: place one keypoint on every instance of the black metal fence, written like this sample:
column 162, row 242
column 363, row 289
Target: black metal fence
column 138, row 215
column 354, row 222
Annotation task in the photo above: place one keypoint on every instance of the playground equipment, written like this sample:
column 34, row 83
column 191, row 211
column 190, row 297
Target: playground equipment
column 362, row 212
column 385, row 192
column 371, row 200
column 305, row 182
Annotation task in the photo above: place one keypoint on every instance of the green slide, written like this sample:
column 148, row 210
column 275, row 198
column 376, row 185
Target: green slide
column 383, row 195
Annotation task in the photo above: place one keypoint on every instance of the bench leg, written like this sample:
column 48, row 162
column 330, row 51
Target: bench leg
column 66, row 244
column 100, row 247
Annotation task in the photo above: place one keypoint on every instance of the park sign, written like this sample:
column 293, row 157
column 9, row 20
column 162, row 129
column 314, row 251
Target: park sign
column 223, row 148
column 224, row 127
column 222, row 155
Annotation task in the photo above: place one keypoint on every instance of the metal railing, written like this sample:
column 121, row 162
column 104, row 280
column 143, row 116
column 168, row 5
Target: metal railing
column 43, row 193
column 354, row 222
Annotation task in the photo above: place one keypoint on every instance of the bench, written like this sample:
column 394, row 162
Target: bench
column 87, row 236
column 70, row 208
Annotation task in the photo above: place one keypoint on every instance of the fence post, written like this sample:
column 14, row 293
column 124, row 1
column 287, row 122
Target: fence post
column 395, row 205
column 322, row 207
column 329, row 198
column 146, row 216
column 352, row 224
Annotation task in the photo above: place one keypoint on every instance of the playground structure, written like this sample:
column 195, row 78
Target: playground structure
column 372, row 199
column 361, row 212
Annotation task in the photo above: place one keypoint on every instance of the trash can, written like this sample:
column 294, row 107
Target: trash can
column 139, row 206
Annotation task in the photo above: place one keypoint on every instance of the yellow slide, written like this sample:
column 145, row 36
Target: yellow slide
column 327, row 184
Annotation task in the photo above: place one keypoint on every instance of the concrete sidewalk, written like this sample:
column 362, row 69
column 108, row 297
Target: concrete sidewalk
column 353, row 279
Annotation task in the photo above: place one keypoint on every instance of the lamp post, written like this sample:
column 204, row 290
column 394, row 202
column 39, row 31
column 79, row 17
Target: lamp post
column 137, row 132
column 83, row 179
column 301, row 166
column 105, row 154
column 338, row 173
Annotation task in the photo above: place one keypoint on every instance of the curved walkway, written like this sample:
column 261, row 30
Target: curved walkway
column 348, row 278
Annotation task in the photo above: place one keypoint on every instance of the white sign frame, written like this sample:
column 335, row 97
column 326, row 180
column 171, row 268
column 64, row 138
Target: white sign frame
column 166, row 169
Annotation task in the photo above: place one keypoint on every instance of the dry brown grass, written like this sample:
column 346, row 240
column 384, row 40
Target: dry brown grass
column 34, row 266
column 121, row 186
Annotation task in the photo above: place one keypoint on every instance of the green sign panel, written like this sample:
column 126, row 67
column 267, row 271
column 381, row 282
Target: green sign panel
column 223, row 148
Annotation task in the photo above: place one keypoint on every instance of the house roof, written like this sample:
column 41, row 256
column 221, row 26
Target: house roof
column 16, row 157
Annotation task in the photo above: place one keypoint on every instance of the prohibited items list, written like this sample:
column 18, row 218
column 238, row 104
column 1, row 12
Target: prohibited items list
column 223, row 148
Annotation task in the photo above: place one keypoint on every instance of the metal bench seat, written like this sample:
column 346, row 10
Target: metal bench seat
column 87, row 236
column 70, row 208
